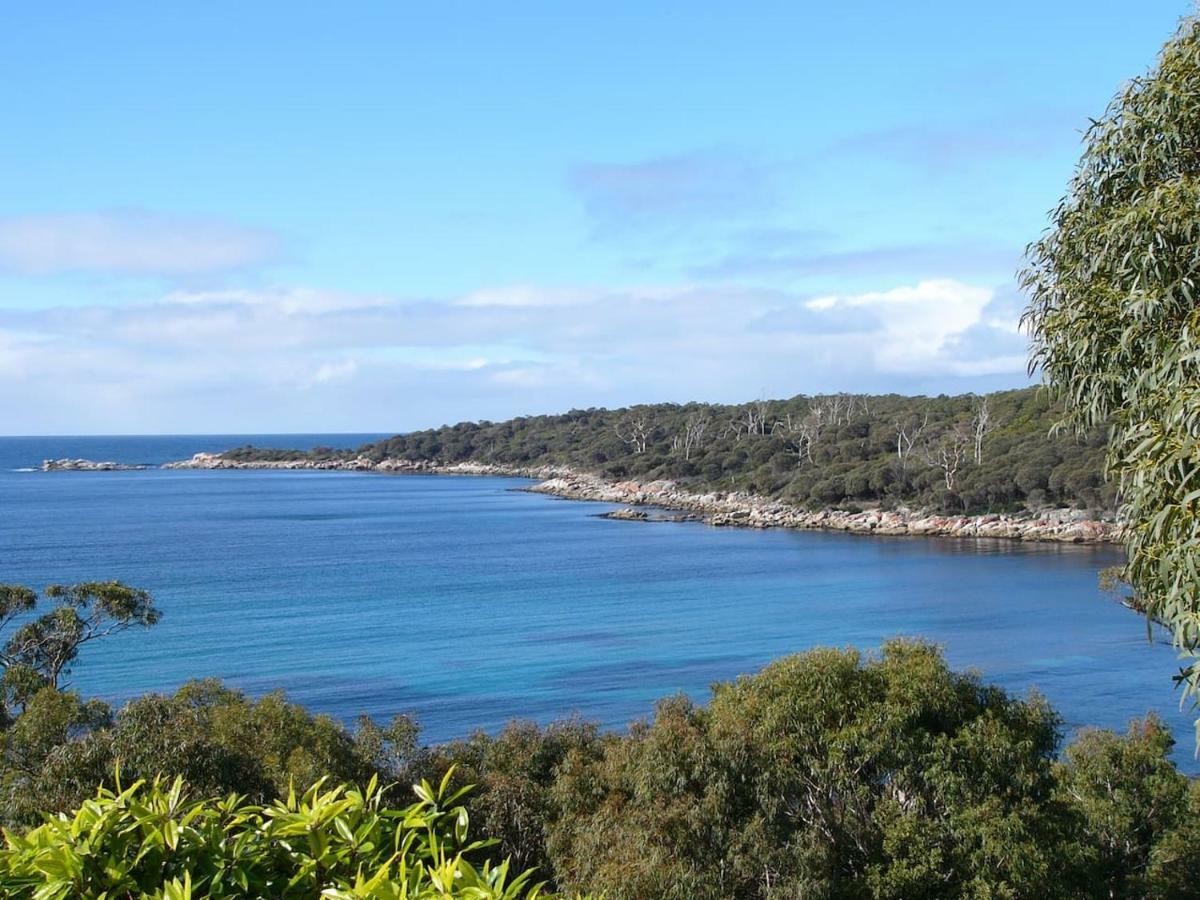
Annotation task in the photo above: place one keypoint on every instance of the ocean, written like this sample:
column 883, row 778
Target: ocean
column 468, row 602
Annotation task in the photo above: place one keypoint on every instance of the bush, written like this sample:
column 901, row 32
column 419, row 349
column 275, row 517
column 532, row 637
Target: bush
column 60, row 748
column 151, row 840
column 828, row 774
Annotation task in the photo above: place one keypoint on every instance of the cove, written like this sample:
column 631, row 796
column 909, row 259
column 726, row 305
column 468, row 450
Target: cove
column 468, row 602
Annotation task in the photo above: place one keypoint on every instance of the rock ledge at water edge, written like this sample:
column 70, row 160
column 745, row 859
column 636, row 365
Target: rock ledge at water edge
column 733, row 508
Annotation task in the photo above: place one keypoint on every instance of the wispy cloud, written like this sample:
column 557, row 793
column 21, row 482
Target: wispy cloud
column 687, row 189
column 956, row 258
column 938, row 148
column 293, row 359
column 525, row 295
column 130, row 243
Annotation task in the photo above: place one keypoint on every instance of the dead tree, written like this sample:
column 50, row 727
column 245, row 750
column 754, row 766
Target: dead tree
column 982, row 424
column 908, row 432
column 834, row 409
column 634, row 431
column 948, row 451
column 756, row 417
column 690, row 436
column 748, row 420
column 801, row 434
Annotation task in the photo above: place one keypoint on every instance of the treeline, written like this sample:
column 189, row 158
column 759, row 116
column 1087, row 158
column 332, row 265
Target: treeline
column 828, row 774
column 963, row 453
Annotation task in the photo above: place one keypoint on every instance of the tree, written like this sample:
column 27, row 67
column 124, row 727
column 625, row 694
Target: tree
column 749, row 419
column 1136, row 811
column 825, row 775
column 15, row 600
column 908, row 431
column 982, row 424
column 690, row 435
column 755, row 417
column 86, row 612
column 800, row 434
column 1116, row 328
column 634, row 431
column 948, row 451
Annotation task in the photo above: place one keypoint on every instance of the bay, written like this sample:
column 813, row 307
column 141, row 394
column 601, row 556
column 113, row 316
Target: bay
column 468, row 602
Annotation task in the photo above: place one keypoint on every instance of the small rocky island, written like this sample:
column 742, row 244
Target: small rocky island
column 89, row 465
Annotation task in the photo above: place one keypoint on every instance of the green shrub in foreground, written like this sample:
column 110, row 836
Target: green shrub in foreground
column 829, row 774
column 150, row 840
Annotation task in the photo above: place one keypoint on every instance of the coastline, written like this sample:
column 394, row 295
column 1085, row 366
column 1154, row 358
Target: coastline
column 722, row 509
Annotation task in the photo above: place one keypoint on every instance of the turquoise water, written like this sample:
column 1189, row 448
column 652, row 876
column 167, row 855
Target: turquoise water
column 467, row 602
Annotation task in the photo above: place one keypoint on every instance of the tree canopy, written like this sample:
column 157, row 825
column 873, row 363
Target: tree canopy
column 963, row 453
column 832, row 773
column 45, row 647
column 1116, row 327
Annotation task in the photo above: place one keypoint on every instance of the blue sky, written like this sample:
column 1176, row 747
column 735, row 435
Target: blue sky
column 317, row 217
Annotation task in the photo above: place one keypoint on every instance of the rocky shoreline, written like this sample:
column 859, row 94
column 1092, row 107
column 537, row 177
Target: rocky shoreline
column 365, row 464
column 88, row 465
column 728, row 509
column 738, row 509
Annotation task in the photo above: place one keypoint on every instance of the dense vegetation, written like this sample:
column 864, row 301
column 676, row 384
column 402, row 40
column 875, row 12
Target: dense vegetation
column 155, row 841
column 1115, row 322
column 828, row 774
column 991, row 453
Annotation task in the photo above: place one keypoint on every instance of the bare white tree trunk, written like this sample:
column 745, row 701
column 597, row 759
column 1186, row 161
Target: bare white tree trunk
column 982, row 424
column 801, row 435
column 634, row 431
column 908, row 432
column 948, row 451
column 689, row 438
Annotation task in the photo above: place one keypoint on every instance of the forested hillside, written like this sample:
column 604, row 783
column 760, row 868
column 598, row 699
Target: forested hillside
column 963, row 453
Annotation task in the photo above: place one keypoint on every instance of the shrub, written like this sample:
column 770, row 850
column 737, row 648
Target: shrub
column 827, row 775
column 151, row 840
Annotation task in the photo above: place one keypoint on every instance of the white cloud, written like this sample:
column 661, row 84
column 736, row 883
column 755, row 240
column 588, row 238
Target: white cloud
column 302, row 359
column 335, row 371
column 130, row 243
column 913, row 323
column 288, row 301
column 526, row 295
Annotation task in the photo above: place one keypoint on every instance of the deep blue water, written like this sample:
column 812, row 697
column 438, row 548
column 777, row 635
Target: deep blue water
column 468, row 603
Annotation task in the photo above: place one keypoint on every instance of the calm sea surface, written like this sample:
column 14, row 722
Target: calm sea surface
column 468, row 603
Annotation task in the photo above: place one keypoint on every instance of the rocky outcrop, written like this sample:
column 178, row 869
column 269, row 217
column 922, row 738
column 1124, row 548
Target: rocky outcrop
column 731, row 509
column 365, row 464
column 749, row 511
column 627, row 514
column 355, row 464
column 87, row 465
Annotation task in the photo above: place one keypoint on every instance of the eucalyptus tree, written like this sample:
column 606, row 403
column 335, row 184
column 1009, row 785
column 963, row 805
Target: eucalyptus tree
column 82, row 613
column 1113, row 316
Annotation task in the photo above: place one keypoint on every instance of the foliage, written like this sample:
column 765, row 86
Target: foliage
column 55, row 753
column 150, row 840
column 47, row 645
column 1113, row 314
column 820, row 451
column 513, row 774
column 1140, row 817
column 828, row 774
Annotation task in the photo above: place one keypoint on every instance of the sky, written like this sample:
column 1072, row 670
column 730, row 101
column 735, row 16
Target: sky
column 293, row 217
